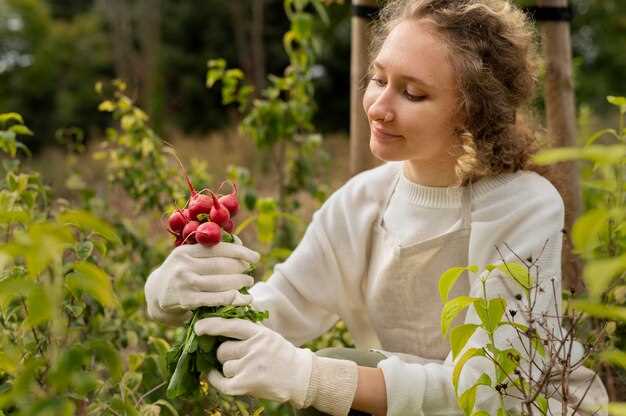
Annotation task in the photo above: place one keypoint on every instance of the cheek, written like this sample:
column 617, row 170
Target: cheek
column 368, row 99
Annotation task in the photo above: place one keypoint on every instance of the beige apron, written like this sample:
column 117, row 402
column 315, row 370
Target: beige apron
column 403, row 300
column 403, row 295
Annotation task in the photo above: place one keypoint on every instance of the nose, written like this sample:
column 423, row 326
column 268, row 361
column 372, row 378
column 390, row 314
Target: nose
column 380, row 108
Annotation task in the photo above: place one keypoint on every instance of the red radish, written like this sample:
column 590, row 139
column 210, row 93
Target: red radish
column 208, row 233
column 228, row 227
column 219, row 213
column 230, row 201
column 189, row 230
column 177, row 221
column 201, row 204
column 179, row 241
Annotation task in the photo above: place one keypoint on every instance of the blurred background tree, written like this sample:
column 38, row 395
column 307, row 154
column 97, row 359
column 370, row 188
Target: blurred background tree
column 53, row 51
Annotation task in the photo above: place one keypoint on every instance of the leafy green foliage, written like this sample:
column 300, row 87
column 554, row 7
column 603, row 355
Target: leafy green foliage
column 599, row 237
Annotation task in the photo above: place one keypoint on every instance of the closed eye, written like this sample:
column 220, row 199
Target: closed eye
column 410, row 97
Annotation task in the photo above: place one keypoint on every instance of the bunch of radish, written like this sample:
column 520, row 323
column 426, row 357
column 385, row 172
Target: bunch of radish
column 204, row 218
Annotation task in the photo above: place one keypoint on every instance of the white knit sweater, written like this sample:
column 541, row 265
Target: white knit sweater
column 321, row 281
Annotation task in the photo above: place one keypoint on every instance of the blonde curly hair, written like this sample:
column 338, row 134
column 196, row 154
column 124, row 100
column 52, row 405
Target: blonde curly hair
column 493, row 50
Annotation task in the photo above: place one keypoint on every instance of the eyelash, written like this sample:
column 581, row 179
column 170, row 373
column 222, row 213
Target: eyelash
column 410, row 97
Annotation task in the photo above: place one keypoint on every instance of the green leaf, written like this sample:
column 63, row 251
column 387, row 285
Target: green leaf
column 215, row 72
column 89, row 222
column 5, row 117
column 614, row 357
column 542, row 402
column 517, row 272
column 321, row 11
column 490, row 312
column 617, row 409
column 40, row 246
column 452, row 308
column 167, row 405
column 12, row 216
column 107, row 354
column 459, row 336
column 266, row 219
column 13, row 287
column 599, row 134
column 467, row 400
column 89, row 278
column 508, row 363
column 107, row 106
column 587, row 230
column 599, row 274
column 600, row 154
column 456, row 373
column 449, row 278
column 21, row 129
column 599, row 310
column 618, row 101
column 40, row 307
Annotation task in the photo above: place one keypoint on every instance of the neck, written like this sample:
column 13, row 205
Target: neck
column 436, row 174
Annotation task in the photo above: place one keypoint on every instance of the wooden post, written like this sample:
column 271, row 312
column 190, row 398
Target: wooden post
column 561, row 122
column 360, row 156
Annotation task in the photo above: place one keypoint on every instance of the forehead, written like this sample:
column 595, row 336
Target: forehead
column 412, row 49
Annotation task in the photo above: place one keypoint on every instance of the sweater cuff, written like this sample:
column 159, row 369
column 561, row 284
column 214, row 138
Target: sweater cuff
column 405, row 384
column 333, row 385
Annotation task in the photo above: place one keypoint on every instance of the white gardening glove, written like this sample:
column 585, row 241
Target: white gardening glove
column 263, row 364
column 195, row 275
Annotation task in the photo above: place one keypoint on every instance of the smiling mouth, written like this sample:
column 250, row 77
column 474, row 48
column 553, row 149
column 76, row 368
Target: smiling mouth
column 384, row 135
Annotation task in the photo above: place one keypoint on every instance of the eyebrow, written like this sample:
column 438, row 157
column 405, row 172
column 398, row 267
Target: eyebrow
column 408, row 77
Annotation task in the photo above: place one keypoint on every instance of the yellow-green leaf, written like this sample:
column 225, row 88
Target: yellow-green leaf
column 456, row 373
column 449, row 278
column 106, row 106
column 615, row 357
column 599, row 274
column 40, row 307
column 587, row 230
column 459, row 336
column 89, row 222
column 89, row 278
column 5, row 117
column 600, row 154
column 517, row 272
column 452, row 308
column 599, row 310
column 617, row 409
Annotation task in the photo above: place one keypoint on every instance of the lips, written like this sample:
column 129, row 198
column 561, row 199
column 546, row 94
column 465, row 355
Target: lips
column 384, row 133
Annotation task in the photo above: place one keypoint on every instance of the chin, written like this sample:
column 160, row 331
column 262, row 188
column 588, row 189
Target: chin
column 386, row 153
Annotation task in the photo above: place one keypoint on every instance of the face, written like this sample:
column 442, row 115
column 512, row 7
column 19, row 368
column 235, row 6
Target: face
column 410, row 99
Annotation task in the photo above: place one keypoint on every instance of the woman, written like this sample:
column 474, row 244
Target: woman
column 449, row 82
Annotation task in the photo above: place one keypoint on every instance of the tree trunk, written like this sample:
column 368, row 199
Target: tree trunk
column 240, row 31
column 361, row 157
column 119, row 19
column 258, row 46
column 149, row 29
column 561, row 122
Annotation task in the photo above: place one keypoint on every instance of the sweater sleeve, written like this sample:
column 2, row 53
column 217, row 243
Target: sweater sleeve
column 528, row 219
column 306, row 293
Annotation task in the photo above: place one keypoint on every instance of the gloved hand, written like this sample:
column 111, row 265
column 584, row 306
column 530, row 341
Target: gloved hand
column 263, row 364
column 195, row 275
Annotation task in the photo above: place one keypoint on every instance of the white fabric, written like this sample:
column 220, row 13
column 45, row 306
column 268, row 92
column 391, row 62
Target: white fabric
column 324, row 278
column 197, row 275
